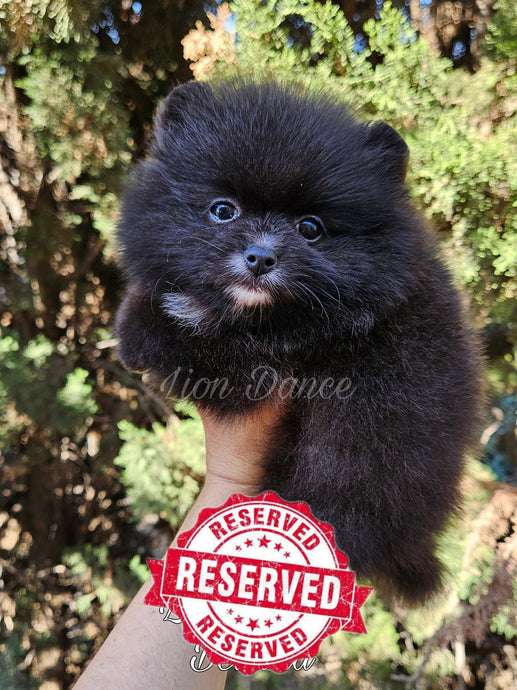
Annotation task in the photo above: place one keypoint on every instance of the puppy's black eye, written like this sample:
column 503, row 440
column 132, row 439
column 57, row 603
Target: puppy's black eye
column 311, row 229
column 223, row 211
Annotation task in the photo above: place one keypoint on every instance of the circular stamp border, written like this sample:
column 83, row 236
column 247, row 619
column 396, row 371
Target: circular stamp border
column 196, row 543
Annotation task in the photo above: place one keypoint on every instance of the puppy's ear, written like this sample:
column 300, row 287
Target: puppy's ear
column 179, row 103
column 179, row 106
column 390, row 150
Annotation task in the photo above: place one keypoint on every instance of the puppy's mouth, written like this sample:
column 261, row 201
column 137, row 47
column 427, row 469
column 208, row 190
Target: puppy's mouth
column 250, row 280
column 246, row 297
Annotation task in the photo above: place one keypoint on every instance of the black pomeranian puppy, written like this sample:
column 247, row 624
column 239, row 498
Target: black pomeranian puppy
column 271, row 248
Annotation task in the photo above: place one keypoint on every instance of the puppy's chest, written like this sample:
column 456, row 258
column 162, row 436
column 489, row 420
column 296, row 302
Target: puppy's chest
column 237, row 353
column 244, row 360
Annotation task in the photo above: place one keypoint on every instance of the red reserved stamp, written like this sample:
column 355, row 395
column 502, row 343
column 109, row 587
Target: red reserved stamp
column 258, row 583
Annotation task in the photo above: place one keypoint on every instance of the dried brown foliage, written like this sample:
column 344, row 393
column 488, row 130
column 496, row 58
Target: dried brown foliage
column 204, row 47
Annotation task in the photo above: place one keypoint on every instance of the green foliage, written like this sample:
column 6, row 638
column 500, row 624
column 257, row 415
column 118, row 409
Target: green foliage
column 381, row 642
column 38, row 380
column 500, row 42
column 504, row 621
column 24, row 23
column 75, row 395
column 10, row 676
column 265, row 45
column 85, row 136
column 112, row 585
column 86, row 132
column 162, row 468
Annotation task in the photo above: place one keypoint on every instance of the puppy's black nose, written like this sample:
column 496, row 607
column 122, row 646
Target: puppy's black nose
column 260, row 260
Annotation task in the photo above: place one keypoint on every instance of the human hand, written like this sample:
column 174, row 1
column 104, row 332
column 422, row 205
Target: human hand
column 235, row 455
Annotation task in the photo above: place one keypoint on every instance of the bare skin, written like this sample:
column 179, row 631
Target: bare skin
column 143, row 651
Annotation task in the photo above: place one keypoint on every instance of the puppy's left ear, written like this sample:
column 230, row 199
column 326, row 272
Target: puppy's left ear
column 390, row 149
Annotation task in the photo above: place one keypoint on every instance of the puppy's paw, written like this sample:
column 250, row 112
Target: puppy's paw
column 134, row 329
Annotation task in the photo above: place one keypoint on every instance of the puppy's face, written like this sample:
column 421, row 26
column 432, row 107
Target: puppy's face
column 263, row 208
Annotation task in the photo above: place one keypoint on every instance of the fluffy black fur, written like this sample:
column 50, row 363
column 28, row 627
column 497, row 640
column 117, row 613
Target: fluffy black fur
column 369, row 301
